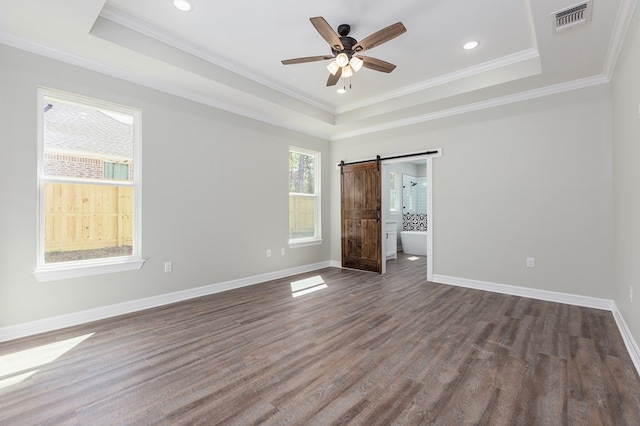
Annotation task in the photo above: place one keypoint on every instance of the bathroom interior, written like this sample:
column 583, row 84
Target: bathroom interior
column 406, row 220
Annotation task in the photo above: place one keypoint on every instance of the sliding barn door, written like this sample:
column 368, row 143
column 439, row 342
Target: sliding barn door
column 361, row 224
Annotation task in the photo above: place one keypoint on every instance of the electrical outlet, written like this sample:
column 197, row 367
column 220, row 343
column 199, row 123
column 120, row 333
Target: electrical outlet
column 269, row 253
column 168, row 266
column 282, row 252
column 531, row 262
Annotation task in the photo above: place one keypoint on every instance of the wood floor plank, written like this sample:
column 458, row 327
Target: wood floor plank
column 548, row 395
column 367, row 349
column 502, row 408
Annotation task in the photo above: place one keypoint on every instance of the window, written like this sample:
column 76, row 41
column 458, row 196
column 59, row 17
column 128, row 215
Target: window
column 304, row 197
column 116, row 171
column 89, row 187
column 395, row 191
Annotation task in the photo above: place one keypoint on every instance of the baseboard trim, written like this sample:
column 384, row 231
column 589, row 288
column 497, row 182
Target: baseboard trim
column 552, row 296
column 630, row 343
column 104, row 312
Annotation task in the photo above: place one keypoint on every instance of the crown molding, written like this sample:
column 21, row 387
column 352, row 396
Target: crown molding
column 620, row 29
column 81, row 62
column 490, row 103
column 504, row 61
column 293, row 124
column 121, row 18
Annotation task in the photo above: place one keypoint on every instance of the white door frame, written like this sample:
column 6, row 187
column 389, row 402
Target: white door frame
column 385, row 205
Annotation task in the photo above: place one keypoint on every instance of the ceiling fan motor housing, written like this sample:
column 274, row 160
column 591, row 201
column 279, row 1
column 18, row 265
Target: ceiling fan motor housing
column 347, row 44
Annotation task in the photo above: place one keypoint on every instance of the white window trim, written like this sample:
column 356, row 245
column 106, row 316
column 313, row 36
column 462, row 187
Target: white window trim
column 86, row 269
column 66, row 270
column 397, row 208
column 317, row 238
column 306, row 243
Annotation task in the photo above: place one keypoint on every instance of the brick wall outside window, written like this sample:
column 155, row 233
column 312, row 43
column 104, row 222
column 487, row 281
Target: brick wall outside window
column 72, row 165
column 75, row 166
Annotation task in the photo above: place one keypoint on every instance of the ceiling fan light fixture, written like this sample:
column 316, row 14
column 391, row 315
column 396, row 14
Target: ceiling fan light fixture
column 347, row 71
column 342, row 90
column 333, row 67
column 342, row 60
column 356, row 63
column 182, row 5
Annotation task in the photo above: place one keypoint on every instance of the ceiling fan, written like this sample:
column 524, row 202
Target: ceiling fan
column 344, row 49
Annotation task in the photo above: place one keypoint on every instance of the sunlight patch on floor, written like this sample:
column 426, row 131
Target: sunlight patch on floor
column 307, row 285
column 19, row 366
column 412, row 258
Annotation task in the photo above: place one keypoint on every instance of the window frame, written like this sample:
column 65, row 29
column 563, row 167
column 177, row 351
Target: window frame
column 397, row 206
column 81, row 268
column 317, row 238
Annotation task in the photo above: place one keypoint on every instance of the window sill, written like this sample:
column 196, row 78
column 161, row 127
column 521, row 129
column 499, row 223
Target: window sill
column 305, row 243
column 58, row 272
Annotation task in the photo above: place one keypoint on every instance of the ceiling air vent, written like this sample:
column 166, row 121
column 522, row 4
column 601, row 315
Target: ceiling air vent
column 572, row 17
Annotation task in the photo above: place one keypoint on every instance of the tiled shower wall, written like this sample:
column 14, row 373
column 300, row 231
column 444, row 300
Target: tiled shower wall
column 414, row 222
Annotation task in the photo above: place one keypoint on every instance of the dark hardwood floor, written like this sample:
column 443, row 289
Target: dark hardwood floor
column 367, row 349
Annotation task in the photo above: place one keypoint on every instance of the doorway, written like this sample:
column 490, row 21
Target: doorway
column 365, row 209
column 393, row 202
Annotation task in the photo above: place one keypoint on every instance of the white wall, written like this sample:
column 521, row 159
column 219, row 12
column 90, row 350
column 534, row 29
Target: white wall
column 531, row 179
column 626, row 163
column 214, row 194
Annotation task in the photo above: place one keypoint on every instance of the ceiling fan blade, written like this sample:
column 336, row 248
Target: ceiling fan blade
column 379, row 37
column 327, row 32
column 377, row 64
column 306, row 59
column 333, row 79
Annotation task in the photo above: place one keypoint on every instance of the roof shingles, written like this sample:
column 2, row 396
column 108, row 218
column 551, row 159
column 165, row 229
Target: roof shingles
column 71, row 128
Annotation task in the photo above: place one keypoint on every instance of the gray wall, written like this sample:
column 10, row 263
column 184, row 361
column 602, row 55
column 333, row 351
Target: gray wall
column 626, row 163
column 215, row 194
column 531, row 179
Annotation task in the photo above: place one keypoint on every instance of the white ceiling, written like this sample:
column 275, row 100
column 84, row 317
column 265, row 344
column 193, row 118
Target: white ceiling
column 227, row 54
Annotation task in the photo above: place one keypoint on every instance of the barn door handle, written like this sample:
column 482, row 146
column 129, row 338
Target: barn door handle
column 378, row 214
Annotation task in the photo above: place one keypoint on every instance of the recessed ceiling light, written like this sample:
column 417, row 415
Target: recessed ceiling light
column 182, row 5
column 470, row 45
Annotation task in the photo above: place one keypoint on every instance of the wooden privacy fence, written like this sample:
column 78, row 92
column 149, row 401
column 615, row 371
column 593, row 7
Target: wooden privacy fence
column 84, row 217
column 301, row 216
